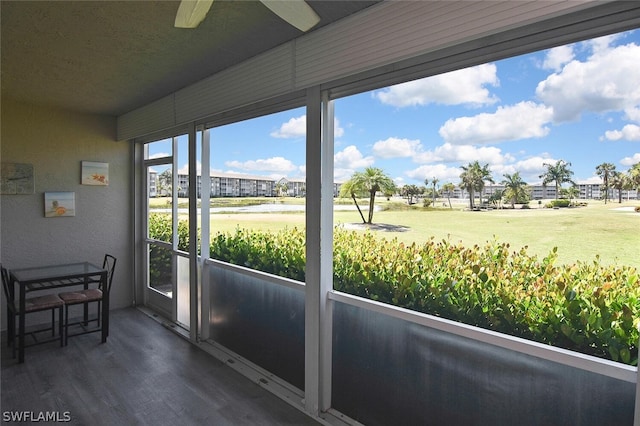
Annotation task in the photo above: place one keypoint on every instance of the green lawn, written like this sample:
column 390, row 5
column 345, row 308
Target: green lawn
column 611, row 231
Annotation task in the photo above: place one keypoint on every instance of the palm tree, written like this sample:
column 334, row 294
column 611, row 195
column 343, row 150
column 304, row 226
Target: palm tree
column 410, row 191
column 514, row 187
column 558, row 173
column 349, row 189
column 619, row 181
column 282, row 189
column 571, row 193
column 472, row 179
column 434, row 182
column 634, row 174
column 633, row 179
column 448, row 188
column 371, row 181
column 605, row 171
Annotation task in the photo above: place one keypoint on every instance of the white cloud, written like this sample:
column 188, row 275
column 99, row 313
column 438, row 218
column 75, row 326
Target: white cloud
column 607, row 81
column 601, row 44
column 590, row 181
column 449, row 153
column 630, row 132
column 159, row 155
column 465, row 86
column 441, row 172
column 630, row 161
column 296, row 127
column 337, row 130
column 633, row 114
column 557, row 57
column 521, row 121
column 351, row 158
column 396, row 147
column 342, row 175
column 529, row 168
column 274, row 164
column 184, row 170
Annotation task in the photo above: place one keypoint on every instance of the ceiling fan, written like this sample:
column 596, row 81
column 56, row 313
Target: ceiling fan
column 296, row 12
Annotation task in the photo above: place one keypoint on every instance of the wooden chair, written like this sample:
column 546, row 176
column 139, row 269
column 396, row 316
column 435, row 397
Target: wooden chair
column 32, row 304
column 85, row 297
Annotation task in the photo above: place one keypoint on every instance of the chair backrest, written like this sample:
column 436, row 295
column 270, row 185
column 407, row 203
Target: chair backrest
column 5, row 287
column 109, row 263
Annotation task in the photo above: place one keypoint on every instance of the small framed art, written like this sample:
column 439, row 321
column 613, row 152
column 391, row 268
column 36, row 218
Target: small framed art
column 94, row 173
column 17, row 178
column 59, row 204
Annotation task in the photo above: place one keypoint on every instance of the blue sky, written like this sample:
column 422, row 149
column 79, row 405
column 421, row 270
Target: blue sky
column 579, row 103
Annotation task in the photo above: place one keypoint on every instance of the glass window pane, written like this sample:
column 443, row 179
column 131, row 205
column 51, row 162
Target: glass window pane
column 159, row 223
column 158, row 149
column 510, row 209
column 258, row 193
column 160, row 269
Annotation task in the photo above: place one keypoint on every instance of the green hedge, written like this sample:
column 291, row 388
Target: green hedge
column 587, row 307
column 160, row 228
column 558, row 203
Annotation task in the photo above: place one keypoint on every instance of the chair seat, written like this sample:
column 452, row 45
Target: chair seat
column 81, row 296
column 42, row 302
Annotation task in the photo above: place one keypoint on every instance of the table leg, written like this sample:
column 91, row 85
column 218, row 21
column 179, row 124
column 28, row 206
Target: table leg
column 21, row 324
column 86, row 305
column 11, row 318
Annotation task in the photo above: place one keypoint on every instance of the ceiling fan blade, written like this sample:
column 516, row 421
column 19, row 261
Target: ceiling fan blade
column 296, row 12
column 191, row 13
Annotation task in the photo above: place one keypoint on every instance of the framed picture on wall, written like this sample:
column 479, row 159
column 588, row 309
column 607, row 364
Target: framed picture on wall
column 59, row 204
column 94, row 173
column 16, row 178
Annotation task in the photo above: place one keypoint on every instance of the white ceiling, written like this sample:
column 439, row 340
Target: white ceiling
column 110, row 57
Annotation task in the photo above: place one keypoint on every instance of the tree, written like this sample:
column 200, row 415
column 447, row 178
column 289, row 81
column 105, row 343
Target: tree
column 619, row 181
column 434, row 182
column 514, row 188
column 605, row 171
column 448, row 188
column 282, row 189
column 496, row 197
column 165, row 183
column 349, row 189
column 558, row 173
column 371, row 181
column 571, row 193
column 472, row 179
column 634, row 174
column 411, row 191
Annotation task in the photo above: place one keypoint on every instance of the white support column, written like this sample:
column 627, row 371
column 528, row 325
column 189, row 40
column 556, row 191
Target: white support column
column 193, row 232
column 174, row 227
column 319, row 229
column 326, row 252
column 205, row 214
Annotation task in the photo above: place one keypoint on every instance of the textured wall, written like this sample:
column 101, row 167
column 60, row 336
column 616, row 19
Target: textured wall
column 55, row 142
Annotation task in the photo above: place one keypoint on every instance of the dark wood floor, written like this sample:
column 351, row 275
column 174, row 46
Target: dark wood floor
column 144, row 375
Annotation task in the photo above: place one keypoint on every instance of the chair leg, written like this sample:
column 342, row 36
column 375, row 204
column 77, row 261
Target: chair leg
column 11, row 328
column 13, row 338
column 65, row 329
column 53, row 322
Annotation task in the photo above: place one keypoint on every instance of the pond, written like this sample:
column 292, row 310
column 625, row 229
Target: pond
column 266, row 208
